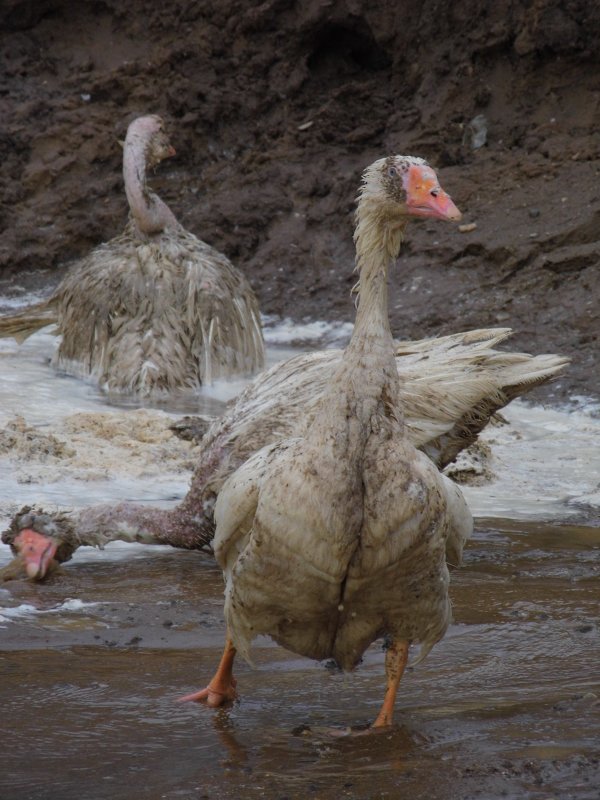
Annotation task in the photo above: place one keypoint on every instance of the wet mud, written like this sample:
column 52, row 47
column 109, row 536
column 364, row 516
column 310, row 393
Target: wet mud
column 507, row 705
column 276, row 108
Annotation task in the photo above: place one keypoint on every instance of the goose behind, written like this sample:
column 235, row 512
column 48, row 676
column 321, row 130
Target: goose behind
column 155, row 309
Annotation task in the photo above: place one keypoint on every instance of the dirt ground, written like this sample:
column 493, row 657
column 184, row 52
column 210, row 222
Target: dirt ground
column 276, row 107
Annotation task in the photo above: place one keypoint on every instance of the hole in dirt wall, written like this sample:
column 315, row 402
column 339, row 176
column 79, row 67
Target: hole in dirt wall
column 340, row 51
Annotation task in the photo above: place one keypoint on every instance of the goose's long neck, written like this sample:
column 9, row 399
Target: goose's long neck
column 189, row 528
column 378, row 237
column 151, row 215
column 364, row 389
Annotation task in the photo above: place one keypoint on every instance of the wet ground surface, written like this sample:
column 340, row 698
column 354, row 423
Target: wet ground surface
column 507, row 705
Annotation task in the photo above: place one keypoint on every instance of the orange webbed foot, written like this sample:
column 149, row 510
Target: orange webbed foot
column 221, row 689
column 213, row 696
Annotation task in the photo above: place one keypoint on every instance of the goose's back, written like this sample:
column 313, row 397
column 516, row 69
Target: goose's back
column 158, row 315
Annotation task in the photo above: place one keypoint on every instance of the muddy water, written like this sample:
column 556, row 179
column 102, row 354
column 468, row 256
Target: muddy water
column 507, row 705
column 92, row 662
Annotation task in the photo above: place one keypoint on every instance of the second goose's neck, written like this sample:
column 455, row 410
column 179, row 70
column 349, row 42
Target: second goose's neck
column 151, row 215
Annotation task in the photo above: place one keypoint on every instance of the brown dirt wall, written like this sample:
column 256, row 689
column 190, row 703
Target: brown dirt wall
column 276, row 107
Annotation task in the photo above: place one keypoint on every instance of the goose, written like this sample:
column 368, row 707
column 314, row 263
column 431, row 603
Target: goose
column 340, row 533
column 155, row 309
column 450, row 388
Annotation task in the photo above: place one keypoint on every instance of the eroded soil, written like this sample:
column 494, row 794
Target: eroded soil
column 275, row 108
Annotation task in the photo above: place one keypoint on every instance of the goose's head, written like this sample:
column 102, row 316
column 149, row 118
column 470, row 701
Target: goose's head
column 40, row 542
column 148, row 133
column 406, row 186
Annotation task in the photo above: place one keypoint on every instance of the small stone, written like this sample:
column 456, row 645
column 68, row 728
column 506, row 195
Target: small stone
column 306, row 125
column 478, row 128
column 534, row 213
column 470, row 226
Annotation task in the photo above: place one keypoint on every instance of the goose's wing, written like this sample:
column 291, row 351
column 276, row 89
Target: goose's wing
column 453, row 385
column 236, row 506
column 450, row 387
column 27, row 321
column 461, row 522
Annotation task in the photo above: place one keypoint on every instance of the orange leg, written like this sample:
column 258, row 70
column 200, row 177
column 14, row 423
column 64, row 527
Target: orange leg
column 221, row 689
column 395, row 663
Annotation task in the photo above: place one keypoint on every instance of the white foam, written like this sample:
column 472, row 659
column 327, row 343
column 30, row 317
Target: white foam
column 546, row 463
column 119, row 551
column 279, row 331
column 26, row 610
column 25, row 298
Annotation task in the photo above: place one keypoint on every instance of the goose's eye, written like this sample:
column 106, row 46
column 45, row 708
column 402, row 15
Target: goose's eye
column 434, row 192
column 393, row 172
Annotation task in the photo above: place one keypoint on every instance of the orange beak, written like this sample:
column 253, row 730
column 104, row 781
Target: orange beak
column 425, row 197
column 37, row 552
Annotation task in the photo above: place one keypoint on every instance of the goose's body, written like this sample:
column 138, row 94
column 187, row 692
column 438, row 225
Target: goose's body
column 334, row 538
column 338, row 535
column 449, row 388
column 169, row 313
column 155, row 309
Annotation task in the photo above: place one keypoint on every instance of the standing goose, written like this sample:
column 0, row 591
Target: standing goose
column 337, row 536
column 155, row 309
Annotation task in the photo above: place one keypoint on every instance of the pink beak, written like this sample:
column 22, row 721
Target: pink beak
column 438, row 206
column 37, row 552
column 426, row 198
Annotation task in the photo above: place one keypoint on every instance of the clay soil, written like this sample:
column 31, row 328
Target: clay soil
column 276, row 107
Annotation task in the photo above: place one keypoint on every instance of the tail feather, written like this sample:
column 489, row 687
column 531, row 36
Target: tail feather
column 26, row 322
column 514, row 374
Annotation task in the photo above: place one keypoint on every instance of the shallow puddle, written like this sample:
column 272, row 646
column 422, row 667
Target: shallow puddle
column 507, row 705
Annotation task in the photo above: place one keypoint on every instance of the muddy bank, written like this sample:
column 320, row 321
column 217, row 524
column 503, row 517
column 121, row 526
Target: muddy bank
column 276, row 108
